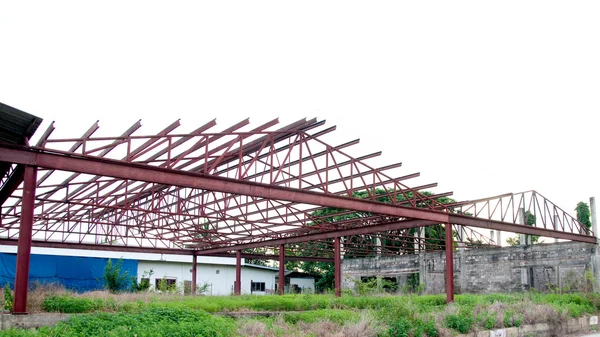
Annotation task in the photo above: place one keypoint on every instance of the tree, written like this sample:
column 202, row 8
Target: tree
column 354, row 245
column 516, row 240
column 115, row 280
column 583, row 214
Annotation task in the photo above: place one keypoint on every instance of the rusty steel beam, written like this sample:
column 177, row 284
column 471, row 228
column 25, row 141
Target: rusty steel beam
column 449, row 265
column 194, row 272
column 322, row 235
column 117, row 169
column 24, row 244
column 106, row 248
column 337, row 267
column 281, row 280
column 516, row 228
column 270, row 257
column 238, row 273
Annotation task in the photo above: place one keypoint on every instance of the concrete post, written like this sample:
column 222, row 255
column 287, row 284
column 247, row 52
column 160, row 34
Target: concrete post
column 556, row 226
column 499, row 238
column 462, row 236
column 521, row 221
column 417, row 240
column 594, row 217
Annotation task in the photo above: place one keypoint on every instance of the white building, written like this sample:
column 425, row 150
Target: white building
column 217, row 273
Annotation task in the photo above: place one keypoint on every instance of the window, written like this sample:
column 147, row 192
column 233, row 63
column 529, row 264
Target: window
column 165, row 283
column 257, row 286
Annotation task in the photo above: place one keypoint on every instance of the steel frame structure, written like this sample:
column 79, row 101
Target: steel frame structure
column 260, row 193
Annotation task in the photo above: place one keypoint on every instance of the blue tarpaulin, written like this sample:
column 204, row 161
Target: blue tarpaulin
column 75, row 273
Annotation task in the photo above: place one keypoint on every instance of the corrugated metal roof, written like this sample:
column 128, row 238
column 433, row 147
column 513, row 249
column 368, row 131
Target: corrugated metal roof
column 15, row 127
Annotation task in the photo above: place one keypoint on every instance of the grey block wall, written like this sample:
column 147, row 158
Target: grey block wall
column 489, row 270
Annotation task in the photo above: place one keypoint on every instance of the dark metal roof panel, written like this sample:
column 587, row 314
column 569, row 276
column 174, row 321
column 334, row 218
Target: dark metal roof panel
column 16, row 125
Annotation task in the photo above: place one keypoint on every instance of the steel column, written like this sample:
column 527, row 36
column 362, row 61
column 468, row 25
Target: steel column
column 237, row 288
column 194, row 271
column 281, row 283
column 24, row 245
column 338, row 266
column 449, row 265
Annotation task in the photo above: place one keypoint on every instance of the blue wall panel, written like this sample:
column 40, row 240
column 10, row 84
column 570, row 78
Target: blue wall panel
column 75, row 273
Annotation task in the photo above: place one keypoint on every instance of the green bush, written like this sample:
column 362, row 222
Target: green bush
column 8, row 298
column 71, row 305
column 461, row 323
column 115, row 280
column 148, row 323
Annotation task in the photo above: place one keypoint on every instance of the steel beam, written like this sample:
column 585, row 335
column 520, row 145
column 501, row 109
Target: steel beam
column 24, row 245
column 194, row 272
column 238, row 274
column 106, row 248
column 321, row 236
column 123, row 170
column 449, row 265
column 516, row 228
column 11, row 184
column 281, row 284
column 338, row 266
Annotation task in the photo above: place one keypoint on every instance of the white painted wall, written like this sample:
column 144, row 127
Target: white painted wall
column 220, row 283
column 307, row 284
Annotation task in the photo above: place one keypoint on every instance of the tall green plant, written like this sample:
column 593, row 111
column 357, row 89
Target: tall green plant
column 8, row 298
column 114, row 279
column 583, row 214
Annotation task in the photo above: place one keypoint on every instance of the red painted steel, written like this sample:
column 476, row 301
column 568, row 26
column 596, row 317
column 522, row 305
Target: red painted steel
column 194, row 273
column 338, row 266
column 281, row 283
column 24, row 245
column 449, row 265
column 238, row 273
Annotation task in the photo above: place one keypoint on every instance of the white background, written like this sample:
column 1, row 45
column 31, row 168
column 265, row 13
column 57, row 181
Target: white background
column 482, row 97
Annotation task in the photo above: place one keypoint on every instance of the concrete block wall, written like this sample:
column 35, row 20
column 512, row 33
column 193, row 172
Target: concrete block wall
column 489, row 270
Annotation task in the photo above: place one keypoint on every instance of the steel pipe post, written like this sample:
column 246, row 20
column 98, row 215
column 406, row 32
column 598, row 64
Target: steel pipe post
column 338, row 266
column 24, row 245
column 281, row 283
column 449, row 265
column 194, row 272
column 237, row 288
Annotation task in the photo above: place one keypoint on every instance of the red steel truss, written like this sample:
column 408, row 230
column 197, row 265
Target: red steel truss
column 243, row 191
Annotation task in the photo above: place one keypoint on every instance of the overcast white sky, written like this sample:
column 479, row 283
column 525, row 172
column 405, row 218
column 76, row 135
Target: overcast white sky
column 482, row 97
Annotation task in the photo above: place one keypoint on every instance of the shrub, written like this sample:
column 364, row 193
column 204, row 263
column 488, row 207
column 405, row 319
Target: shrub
column 71, row 305
column 461, row 323
column 8, row 298
column 115, row 280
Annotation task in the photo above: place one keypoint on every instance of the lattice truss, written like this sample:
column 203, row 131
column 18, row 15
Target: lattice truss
column 96, row 209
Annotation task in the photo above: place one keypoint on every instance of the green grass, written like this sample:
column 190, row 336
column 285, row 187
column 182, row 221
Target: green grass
column 410, row 315
column 147, row 323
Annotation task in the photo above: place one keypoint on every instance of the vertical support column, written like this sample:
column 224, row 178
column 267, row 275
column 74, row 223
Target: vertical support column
column 417, row 238
column 338, row 266
column 194, row 271
column 24, row 245
column 237, row 288
column 462, row 236
column 556, row 226
column 449, row 265
column 594, row 218
column 281, row 283
column 499, row 239
column 521, row 220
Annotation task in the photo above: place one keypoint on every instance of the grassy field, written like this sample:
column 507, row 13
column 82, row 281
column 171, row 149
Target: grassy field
column 148, row 314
